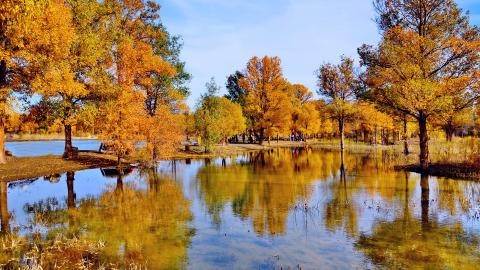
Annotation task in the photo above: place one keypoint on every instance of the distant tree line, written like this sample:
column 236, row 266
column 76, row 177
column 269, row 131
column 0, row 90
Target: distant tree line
column 112, row 69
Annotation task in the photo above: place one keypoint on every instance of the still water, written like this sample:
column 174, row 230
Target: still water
column 282, row 209
column 43, row 148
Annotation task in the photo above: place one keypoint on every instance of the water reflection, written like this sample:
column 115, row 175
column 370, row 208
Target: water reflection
column 407, row 241
column 141, row 227
column 357, row 195
column 277, row 209
column 263, row 188
column 4, row 215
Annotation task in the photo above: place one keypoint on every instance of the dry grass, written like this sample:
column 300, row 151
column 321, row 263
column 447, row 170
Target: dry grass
column 32, row 167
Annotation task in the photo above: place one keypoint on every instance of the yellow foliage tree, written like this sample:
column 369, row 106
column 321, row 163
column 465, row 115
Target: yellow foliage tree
column 337, row 84
column 427, row 61
column 267, row 102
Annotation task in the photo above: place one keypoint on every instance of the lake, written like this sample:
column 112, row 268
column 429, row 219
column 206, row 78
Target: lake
column 43, row 148
column 278, row 209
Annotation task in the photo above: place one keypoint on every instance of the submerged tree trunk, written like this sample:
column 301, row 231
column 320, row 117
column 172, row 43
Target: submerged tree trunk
column 68, row 152
column 71, row 196
column 3, row 156
column 423, row 136
column 425, row 200
column 406, row 151
column 341, row 127
column 342, row 167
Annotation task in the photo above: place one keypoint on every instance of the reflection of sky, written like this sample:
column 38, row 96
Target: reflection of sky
column 235, row 245
column 87, row 184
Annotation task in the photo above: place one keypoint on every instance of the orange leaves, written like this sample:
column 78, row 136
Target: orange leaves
column 425, row 68
column 120, row 121
column 51, row 31
column 58, row 78
column 164, row 132
column 268, row 101
column 137, row 63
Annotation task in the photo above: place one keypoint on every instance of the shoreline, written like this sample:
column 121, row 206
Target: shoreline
column 37, row 166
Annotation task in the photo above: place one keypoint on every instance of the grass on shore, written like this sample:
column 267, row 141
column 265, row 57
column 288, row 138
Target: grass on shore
column 32, row 167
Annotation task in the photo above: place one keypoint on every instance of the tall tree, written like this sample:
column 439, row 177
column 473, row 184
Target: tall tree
column 235, row 92
column 305, row 117
column 76, row 74
column 217, row 118
column 427, row 60
column 337, row 84
column 17, row 31
column 165, row 97
column 207, row 114
column 267, row 102
column 138, row 66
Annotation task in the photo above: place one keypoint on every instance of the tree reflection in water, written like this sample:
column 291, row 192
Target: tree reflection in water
column 118, row 218
column 410, row 242
column 4, row 215
column 362, row 212
column 267, row 187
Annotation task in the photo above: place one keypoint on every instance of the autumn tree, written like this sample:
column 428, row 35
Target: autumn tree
column 373, row 121
column 77, row 72
column 136, row 94
column 19, row 37
column 327, row 125
column 337, row 84
column 165, row 96
column 267, row 101
column 427, row 60
column 119, row 123
column 206, row 115
column 231, row 121
column 454, row 121
column 305, row 117
column 217, row 118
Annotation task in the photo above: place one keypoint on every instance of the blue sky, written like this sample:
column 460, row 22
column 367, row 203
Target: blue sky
column 220, row 36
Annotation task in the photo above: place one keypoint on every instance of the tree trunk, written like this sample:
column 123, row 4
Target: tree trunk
column 154, row 155
column 3, row 83
column 119, row 186
column 449, row 131
column 449, row 135
column 406, row 151
column 341, row 127
column 423, row 136
column 68, row 152
column 261, row 134
column 3, row 156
